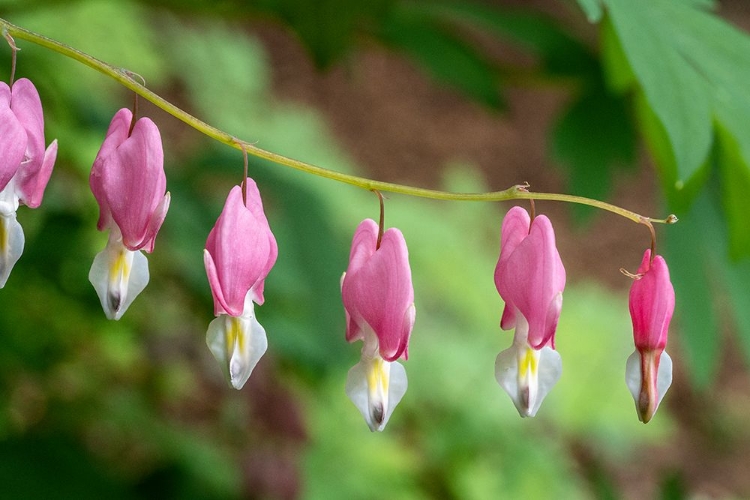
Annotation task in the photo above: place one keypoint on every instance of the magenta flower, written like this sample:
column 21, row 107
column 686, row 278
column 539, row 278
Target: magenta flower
column 379, row 304
column 530, row 278
column 240, row 252
column 25, row 166
column 129, row 183
column 648, row 370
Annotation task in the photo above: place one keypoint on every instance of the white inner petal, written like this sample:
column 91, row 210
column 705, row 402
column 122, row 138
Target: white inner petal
column 376, row 386
column 118, row 276
column 237, row 343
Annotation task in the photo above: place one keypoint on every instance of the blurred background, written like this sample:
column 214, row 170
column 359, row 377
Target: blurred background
column 645, row 112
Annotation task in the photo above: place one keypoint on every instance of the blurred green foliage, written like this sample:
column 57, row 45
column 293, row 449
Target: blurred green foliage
column 137, row 408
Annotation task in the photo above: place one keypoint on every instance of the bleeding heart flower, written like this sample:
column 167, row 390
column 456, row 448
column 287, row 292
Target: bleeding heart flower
column 530, row 278
column 648, row 372
column 379, row 304
column 129, row 183
column 240, row 252
column 25, row 166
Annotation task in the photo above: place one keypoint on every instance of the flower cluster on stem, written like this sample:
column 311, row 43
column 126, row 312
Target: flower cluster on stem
column 129, row 183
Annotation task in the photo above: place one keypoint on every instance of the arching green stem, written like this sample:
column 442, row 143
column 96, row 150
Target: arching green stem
column 128, row 80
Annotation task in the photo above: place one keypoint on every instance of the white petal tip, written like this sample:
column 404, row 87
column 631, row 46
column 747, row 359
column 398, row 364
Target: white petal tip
column 647, row 394
column 376, row 387
column 237, row 343
column 118, row 276
column 528, row 385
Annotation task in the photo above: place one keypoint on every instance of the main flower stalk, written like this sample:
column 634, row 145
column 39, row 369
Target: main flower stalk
column 128, row 80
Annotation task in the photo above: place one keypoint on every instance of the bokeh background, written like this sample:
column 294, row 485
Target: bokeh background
column 464, row 96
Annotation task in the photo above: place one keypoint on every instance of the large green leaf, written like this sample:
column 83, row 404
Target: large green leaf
column 675, row 89
column 691, row 68
column 695, row 253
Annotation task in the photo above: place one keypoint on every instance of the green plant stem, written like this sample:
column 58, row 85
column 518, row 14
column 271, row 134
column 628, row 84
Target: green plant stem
column 128, row 79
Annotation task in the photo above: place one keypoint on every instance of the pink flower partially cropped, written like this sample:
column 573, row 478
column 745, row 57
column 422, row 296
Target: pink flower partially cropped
column 379, row 304
column 25, row 165
column 649, row 368
column 129, row 183
column 240, row 252
column 530, row 278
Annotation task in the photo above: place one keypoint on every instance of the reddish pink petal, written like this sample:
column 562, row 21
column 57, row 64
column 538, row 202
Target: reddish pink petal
column 651, row 304
column 254, row 203
column 379, row 289
column 516, row 225
column 35, row 170
column 532, row 278
column 13, row 139
column 31, row 187
column 240, row 246
column 363, row 246
column 116, row 135
column 134, row 183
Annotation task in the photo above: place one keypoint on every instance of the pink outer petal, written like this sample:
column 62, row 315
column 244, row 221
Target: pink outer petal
column 363, row 246
column 13, row 139
column 516, row 225
column 27, row 106
column 255, row 205
column 157, row 219
column 134, row 184
column 532, row 279
column 214, row 283
column 31, row 187
column 652, row 304
column 378, row 290
column 35, row 171
column 241, row 250
column 116, row 135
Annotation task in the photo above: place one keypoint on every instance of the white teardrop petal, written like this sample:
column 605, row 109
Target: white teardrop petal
column 118, row 276
column 11, row 245
column 376, row 387
column 237, row 343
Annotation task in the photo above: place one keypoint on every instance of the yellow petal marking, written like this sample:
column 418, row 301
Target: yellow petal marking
column 377, row 378
column 529, row 363
column 4, row 235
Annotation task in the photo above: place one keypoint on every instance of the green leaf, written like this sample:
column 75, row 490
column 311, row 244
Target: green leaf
column 617, row 71
column 735, row 176
column 674, row 88
column 592, row 9
column 444, row 55
column 599, row 114
column 657, row 140
column 695, row 252
column 558, row 52
column 328, row 28
column 737, row 276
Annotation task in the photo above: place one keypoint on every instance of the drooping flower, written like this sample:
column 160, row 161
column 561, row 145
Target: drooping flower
column 648, row 371
column 25, row 166
column 530, row 278
column 378, row 301
column 129, row 183
column 240, row 252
